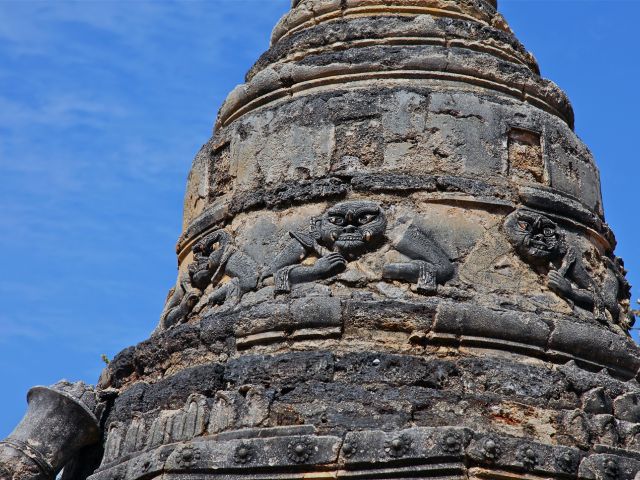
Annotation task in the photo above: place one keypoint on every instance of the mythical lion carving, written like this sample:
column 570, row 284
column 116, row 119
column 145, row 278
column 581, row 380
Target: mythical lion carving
column 215, row 256
column 539, row 241
column 345, row 232
column 342, row 234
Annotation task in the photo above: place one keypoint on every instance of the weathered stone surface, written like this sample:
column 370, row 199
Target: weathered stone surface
column 394, row 264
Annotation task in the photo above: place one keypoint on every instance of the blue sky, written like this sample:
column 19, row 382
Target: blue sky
column 103, row 105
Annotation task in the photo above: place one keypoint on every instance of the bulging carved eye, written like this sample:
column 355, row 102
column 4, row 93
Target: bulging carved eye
column 526, row 226
column 336, row 220
column 367, row 218
column 549, row 232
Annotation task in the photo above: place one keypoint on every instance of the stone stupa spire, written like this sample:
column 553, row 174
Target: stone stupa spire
column 394, row 264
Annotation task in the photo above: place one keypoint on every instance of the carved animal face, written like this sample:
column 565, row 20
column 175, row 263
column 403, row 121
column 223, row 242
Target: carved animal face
column 208, row 244
column 208, row 254
column 351, row 227
column 535, row 237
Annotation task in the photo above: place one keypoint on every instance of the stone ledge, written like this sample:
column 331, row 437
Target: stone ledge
column 430, row 63
column 399, row 30
column 428, row 452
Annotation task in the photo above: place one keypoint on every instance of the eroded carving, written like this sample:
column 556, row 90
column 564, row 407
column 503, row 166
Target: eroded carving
column 567, row 461
column 342, row 234
column 452, row 443
column 301, row 450
column 491, row 449
column 349, row 448
column 215, row 256
column 541, row 243
column 535, row 237
column 350, row 229
column 398, row 447
column 611, row 468
column 428, row 266
column 244, row 454
column 528, row 457
column 188, row 455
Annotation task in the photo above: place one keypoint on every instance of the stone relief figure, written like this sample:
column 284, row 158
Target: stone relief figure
column 535, row 238
column 616, row 290
column 538, row 240
column 429, row 264
column 215, row 256
column 343, row 234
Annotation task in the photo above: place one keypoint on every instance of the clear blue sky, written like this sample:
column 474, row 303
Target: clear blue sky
column 103, row 105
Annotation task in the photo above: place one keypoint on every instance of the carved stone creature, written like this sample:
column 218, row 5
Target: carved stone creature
column 535, row 237
column 344, row 233
column 429, row 265
column 615, row 290
column 538, row 241
column 214, row 257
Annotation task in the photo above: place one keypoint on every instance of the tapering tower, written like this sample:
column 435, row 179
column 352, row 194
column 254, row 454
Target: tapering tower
column 394, row 265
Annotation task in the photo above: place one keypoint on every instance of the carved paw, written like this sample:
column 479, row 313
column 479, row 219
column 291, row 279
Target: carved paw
column 408, row 272
column 330, row 264
column 559, row 284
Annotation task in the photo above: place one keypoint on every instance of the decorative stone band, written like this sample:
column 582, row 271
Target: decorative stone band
column 360, row 32
column 425, row 63
column 314, row 12
column 458, row 189
column 282, row 282
column 449, row 452
column 32, row 454
column 557, row 339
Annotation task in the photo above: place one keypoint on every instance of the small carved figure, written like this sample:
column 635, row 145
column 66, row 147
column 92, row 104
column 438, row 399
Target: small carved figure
column 181, row 300
column 343, row 233
column 616, row 289
column 538, row 241
column 429, row 264
column 572, row 282
column 535, row 237
column 214, row 257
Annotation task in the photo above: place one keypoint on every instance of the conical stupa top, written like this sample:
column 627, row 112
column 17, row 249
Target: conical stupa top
column 324, row 42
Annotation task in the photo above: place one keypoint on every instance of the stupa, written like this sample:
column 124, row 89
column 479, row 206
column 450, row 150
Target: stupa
column 394, row 264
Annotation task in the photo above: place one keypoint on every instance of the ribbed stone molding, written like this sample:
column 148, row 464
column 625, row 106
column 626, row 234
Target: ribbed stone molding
column 465, row 42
